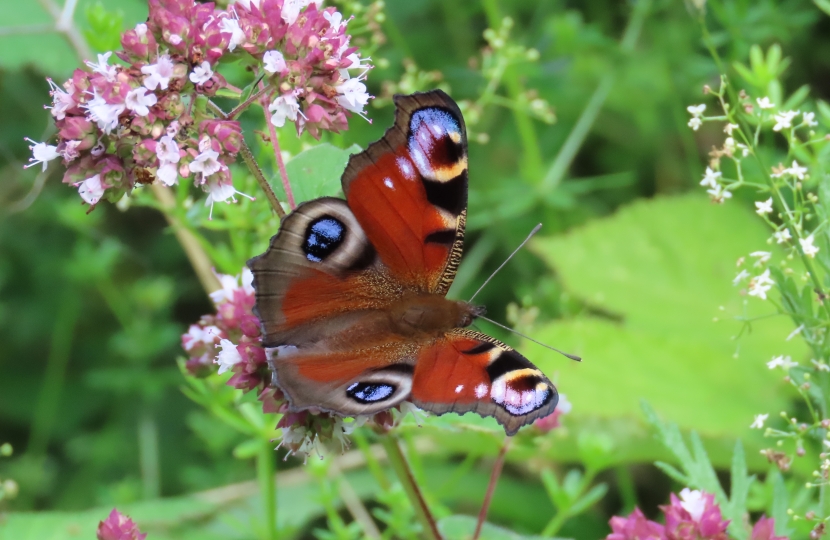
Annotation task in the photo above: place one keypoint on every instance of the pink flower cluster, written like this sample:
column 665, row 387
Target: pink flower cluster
column 554, row 420
column 692, row 516
column 146, row 119
column 117, row 526
column 231, row 340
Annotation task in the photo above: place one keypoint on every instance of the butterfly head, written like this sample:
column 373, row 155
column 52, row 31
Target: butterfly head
column 469, row 313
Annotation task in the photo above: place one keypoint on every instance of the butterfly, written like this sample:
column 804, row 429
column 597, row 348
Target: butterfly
column 351, row 293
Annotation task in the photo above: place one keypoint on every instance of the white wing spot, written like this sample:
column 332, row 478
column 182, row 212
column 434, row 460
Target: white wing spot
column 481, row 390
column 459, row 388
column 388, row 183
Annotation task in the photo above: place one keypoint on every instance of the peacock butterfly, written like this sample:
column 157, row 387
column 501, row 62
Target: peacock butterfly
column 351, row 293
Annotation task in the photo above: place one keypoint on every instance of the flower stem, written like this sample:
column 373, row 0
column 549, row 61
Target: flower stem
column 491, row 487
column 248, row 158
column 195, row 254
column 576, row 137
column 401, row 467
column 272, row 132
column 267, row 487
column 236, row 111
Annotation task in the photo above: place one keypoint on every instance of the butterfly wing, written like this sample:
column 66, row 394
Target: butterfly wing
column 318, row 273
column 409, row 191
column 468, row 371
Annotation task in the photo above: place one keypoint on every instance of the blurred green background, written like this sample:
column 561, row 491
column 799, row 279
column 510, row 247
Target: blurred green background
column 632, row 270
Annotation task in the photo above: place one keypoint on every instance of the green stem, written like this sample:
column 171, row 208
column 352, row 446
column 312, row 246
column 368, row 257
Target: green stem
column 148, row 454
column 266, row 469
column 401, row 467
column 580, row 131
column 50, row 392
column 236, row 111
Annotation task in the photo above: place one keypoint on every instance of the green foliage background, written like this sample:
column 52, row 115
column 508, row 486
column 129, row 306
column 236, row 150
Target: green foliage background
column 629, row 271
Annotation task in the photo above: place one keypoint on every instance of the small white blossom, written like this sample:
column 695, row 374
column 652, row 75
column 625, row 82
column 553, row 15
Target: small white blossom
column 729, row 128
column 291, row 9
column 718, row 194
column 196, row 335
column 102, row 66
column 763, row 257
column 784, row 120
column 273, row 61
column 809, row 118
column 219, row 191
column 729, row 145
column 230, row 284
column 167, row 150
column 231, row 26
column 784, row 362
column 696, row 110
column 284, row 107
column 693, row 502
column 760, row 285
column 62, row 101
column 158, row 74
column 763, row 207
column 41, row 153
column 695, row 123
column 206, row 163
column 782, row 236
column 821, row 366
column 758, row 423
column 92, row 189
column 201, row 74
column 228, row 357
column 335, row 19
column 175, row 39
column 141, row 30
column 742, row 275
column 353, row 95
column 168, row 173
column 139, row 100
column 797, row 171
column 808, row 247
column 710, row 178
column 744, row 149
column 102, row 113
column 765, row 103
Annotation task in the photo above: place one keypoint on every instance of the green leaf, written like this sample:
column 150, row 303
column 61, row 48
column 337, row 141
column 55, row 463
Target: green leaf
column 780, row 503
column 653, row 277
column 673, row 473
column 104, row 32
column 315, row 172
column 247, row 449
column 740, row 482
column 463, row 527
column 586, row 501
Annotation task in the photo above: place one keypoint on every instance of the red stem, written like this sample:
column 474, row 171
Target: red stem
column 491, row 487
column 289, row 195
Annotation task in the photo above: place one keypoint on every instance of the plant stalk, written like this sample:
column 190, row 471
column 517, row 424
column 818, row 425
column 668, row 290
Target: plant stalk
column 491, row 487
column 399, row 464
column 272, row 132
column 267, row 479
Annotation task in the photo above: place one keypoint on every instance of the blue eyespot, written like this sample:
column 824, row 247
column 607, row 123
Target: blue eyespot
column 370, row 392
column 439, row 121
column 322, row 238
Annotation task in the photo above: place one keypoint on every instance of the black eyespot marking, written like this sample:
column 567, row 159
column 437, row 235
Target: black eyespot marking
column 483, row 347
column 450, row 195
column 370, row 392
column 322, row 238
column 506, row 362
column 446, row 236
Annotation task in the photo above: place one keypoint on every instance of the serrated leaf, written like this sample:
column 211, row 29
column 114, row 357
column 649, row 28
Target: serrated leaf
column 740, row 483
column 780, row 504
column 672, row 473
column 315, row 172
column 661, row 270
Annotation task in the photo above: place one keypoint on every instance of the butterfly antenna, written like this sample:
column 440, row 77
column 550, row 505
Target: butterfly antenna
column 571, row 356
column 486, row 281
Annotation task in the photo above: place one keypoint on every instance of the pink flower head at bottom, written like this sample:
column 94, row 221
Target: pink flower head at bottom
column 635, row 527
column 117, row 526
column 694, row 516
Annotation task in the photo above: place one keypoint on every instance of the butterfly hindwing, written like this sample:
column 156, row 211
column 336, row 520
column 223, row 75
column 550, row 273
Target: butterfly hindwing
column 409, row 191
column 468, row 371
column 318, row 268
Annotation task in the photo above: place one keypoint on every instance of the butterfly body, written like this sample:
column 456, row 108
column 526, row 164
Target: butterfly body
column 351, row 293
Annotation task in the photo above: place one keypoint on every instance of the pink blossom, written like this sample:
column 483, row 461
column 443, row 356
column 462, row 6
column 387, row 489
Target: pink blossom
column 635, row 527
column 764, row 529
column 694, row 515
column 92, row 189
column 553, row 420
column 273, row 62
column 117, row 526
